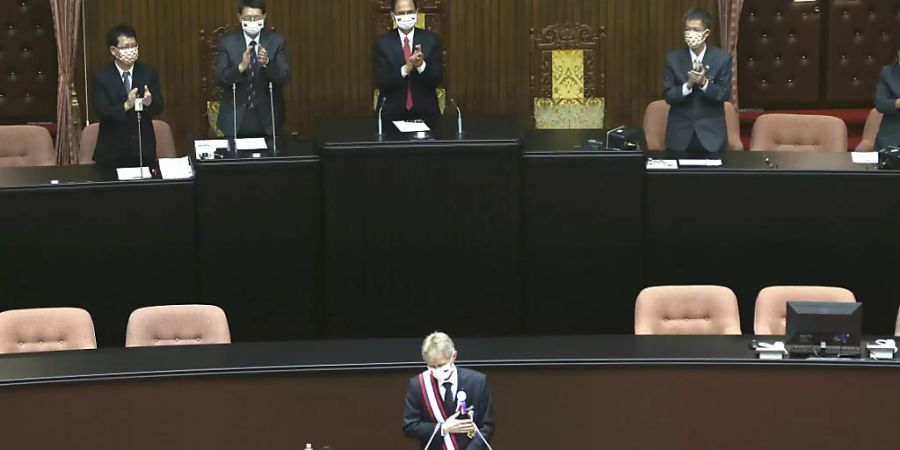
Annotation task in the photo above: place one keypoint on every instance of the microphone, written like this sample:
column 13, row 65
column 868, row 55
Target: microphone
column 433, row 434
column 139, row 108
column 274, row 131
column 234, row 109
column 380, row 109
column 611, row 132
column 459, row 123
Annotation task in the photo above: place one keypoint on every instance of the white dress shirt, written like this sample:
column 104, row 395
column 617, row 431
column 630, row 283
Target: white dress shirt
column 695, row 61
column 412, row 50
column 122, row 75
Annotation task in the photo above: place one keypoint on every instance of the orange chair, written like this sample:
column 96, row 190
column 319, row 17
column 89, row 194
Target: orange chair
column 46, row 330
column 165, row 142
column 26, row 145
column 870, row 132
column 798, row 132
column 771, row 304
column 656, row 118
column 687, row 310
column 177, row 325
column 897, row 328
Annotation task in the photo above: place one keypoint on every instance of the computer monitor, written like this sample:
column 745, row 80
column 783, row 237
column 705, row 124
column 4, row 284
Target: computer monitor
column 824, row 328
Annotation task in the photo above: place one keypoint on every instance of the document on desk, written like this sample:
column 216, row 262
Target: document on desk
column 251, row 144
column 133, row 173
column 410, row 127
column 176, row 168
column 865, row 157
column 700, row 162
column 662, row 164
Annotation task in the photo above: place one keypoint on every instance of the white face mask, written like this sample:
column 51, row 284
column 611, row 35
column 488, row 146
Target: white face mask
column 252, row 28
column 442, row 373
column 128, row 56
column 694, row 38
column 406, row 22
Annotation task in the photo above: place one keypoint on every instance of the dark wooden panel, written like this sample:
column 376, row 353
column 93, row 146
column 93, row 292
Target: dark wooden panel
column 488, row 51
column 27, row 63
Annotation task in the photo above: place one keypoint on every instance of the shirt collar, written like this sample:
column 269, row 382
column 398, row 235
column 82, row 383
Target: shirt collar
column 248, row 39
column 122, row 72
column 454, row 379
column 411, row 36
column 702, row 54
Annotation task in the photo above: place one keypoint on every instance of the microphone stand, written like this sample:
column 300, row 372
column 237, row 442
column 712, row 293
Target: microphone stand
column 380, row 109
column 459, row 119
column 138, row 108
column 274, row 131
column 433, row 434
column 234, row 123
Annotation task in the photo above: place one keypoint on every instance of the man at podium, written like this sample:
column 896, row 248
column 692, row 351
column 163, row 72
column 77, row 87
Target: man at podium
column 409, row 66
column 447, row 407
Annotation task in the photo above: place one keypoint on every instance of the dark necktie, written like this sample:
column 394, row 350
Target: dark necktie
column 126, row 79
column 251, row 96
column 449, row 407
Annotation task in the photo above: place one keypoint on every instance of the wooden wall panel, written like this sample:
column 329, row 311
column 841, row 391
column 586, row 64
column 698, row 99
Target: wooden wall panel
column 488, row 48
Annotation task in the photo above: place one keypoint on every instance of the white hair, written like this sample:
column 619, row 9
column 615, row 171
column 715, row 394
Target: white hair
column 437, row 345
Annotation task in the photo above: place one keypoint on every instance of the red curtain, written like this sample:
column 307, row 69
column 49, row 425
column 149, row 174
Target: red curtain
column 729, row 22
column 66, row 23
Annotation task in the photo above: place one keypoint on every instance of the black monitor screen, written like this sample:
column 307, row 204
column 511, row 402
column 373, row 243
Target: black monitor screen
column 815, row 323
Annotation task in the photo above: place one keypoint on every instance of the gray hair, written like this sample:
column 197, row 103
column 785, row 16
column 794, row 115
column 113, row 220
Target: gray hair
column 437, row 345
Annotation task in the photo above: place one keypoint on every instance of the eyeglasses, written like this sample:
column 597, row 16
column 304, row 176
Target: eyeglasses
column 252, row 18
column 127, row 47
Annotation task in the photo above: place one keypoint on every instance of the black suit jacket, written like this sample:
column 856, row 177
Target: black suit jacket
column 388, row 59
column 700, row 112
column 117, row 143
column 417, row 422
column 278, row 72
column 886, row 94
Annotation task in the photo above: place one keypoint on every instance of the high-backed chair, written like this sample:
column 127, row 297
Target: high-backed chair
column 568, row 80
column 771, row 304
column 690, row 310
column 177, row 325
column 870, row 132
column 165, row 142
column 46, row 330
column 656, row 121
column 26, row 145
column 798, row 132
column 897, row 327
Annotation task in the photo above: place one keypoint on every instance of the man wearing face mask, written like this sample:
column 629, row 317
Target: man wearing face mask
column 887, row 102
column 408, row 65
column 250, row 59
column 436, row 396
column 118, row 87
column 697, row 83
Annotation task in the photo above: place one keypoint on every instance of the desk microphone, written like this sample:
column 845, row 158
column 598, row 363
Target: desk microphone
column 139, row 108
column 459, row 119
column 274, row 131
column 234, row 110
column 380, row 109
column 433, row 434
column 611, row 132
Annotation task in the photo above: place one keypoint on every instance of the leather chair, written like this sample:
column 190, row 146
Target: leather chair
column 177, row 325
column 687, row 310
column 656, row 118
column 796, row 132
column 46, row 330
column 897, row 327
column 870, row 132
column 165, row 142
column 771, row 304
column 26, row 145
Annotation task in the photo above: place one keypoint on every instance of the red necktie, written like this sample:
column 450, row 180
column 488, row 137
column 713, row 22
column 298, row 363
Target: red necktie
column 408, row 54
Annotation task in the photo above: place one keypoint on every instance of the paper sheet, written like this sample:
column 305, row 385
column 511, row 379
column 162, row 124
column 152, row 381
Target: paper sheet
column 865, row 157
column 410, row 127
column 251, row 144
column 700, row 162
column 662, row 164
column 133, row 173
column 176, row 168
